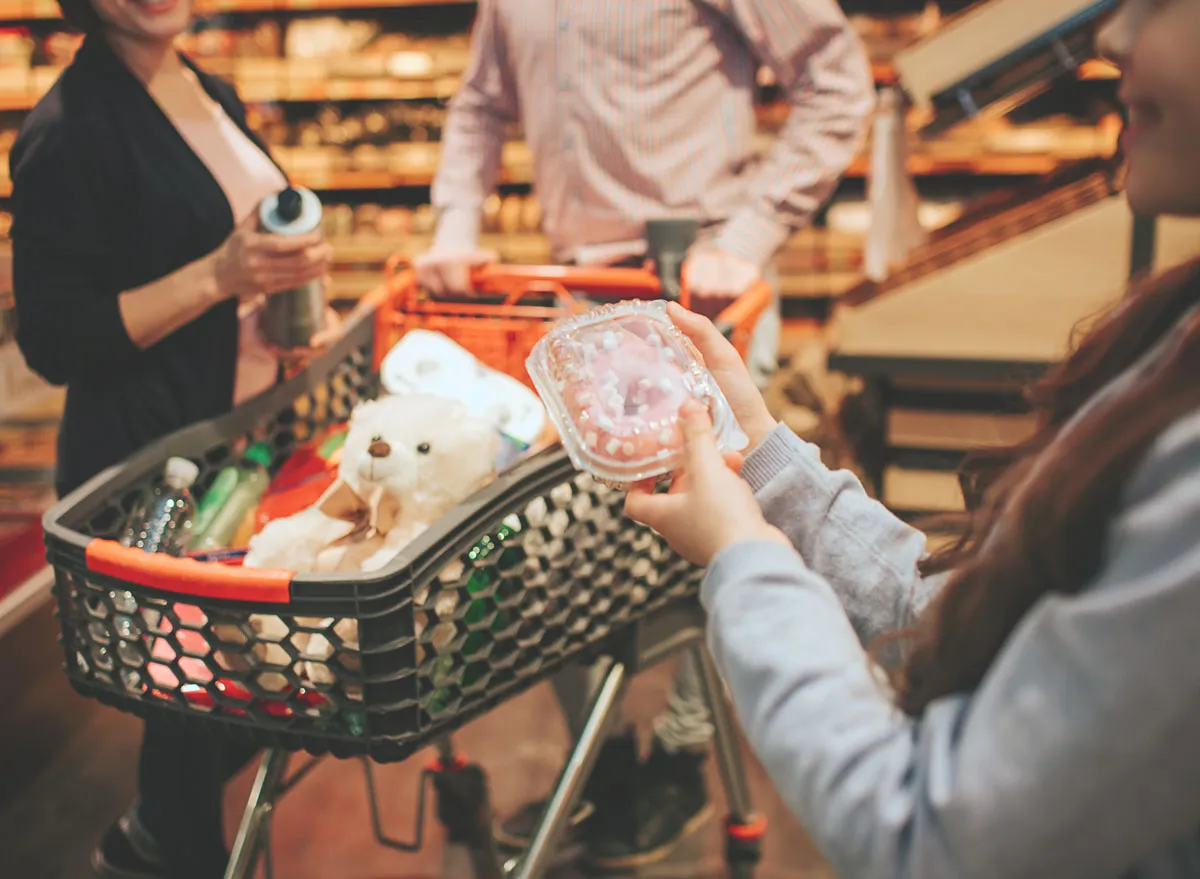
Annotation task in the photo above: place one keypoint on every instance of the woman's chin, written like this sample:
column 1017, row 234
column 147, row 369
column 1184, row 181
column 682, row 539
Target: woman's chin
column 161, row 20
column 1155, row 194
column 1144, row 198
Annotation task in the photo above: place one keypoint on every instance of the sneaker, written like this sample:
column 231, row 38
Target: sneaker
column 670, row 803
column 127, row 852
column 515, row 832
column 607, row 790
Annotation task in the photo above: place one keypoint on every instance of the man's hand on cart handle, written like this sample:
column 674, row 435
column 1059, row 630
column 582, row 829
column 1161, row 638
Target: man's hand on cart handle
column 718, row 274
column 731, row 375
column 715, row 278
column 443, row 272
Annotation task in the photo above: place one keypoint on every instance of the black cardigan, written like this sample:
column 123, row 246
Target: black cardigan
column 107, row 197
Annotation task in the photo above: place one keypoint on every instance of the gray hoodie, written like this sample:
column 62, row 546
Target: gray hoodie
column 1078, row 756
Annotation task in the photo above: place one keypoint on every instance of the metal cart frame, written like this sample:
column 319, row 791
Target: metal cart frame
column 464, row 787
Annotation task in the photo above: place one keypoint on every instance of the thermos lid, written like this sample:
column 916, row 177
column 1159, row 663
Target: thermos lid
column 290, row 205
column 180, row 473
column 291, row 211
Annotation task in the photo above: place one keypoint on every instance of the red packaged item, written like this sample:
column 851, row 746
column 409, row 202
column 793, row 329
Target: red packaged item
column 302, row 480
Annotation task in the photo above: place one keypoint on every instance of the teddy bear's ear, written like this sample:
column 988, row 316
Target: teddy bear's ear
column 363, row 410
column 478, row 433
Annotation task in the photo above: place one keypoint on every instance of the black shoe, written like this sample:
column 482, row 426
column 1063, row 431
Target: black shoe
column 127, row 852
column 515, row 832
column 670, row 803
column 607, row 790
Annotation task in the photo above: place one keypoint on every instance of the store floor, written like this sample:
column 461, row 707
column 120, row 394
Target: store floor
column 322, row 829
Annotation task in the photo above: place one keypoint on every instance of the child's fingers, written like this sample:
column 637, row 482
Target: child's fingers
column 655, row 511
column 699, row 444
column 713, row 347
column 679, row 482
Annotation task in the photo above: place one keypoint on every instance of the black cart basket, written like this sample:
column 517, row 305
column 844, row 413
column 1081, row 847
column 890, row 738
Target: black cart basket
column 538, row 568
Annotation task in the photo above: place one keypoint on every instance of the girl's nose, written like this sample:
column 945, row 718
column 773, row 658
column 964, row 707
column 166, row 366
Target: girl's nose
column 1118, row 35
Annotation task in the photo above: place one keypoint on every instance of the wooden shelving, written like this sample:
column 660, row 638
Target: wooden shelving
column 33, row 10
column 1001, row 165
column 885, row 73
column 349, row 181
column 286, row 84
column 211, row 6
column 995, row 151
column 28, row 10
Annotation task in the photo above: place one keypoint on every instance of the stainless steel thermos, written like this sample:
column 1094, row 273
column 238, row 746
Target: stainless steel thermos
column 292, row 317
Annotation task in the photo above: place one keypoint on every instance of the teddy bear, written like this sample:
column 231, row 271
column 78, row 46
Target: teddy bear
column 407, row 461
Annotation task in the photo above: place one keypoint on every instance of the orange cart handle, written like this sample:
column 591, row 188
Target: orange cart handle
column 617, row 281
column 746, row 309
column 603, row 280
column 515, row 281
column 188, row 577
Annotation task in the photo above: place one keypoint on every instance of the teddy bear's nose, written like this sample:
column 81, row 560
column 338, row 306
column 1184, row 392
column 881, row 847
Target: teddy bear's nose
column 379, row 449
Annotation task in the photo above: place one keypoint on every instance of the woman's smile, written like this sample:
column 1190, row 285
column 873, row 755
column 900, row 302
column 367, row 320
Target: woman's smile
column 155, row 7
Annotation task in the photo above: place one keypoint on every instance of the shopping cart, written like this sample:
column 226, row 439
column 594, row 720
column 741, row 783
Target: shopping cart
column 538, row 569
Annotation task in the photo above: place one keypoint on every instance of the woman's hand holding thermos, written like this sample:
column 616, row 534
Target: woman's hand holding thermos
column 253, row 263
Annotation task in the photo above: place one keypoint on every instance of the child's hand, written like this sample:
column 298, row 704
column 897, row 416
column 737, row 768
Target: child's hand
column 731, row 375
column 709, row 508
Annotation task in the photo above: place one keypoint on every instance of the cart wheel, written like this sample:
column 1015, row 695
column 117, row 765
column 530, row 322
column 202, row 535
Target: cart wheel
column 743, row 845
column 465, row 811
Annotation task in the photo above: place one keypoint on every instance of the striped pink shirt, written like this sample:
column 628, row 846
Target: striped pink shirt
column 643, row 109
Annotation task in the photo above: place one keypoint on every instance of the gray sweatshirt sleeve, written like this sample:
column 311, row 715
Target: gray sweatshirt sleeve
column 1077, row 757
column 867, row 555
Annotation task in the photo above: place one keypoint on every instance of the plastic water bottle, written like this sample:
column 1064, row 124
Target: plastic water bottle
column 292, row 317
column 240, row 501
column 164, row 522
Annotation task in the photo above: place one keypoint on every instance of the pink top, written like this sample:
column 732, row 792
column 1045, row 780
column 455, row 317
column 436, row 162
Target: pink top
column 643, row 109
column 247, row 175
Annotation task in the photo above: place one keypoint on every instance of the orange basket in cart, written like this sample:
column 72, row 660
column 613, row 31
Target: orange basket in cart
column 511, row 307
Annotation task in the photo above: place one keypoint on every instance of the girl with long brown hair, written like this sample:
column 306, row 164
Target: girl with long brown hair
column 1045, row 718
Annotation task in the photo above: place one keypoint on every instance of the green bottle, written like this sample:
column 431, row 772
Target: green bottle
column 252, row 481
column 215, row 498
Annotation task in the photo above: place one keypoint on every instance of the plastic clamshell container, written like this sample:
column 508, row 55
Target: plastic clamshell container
column 613, row 381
